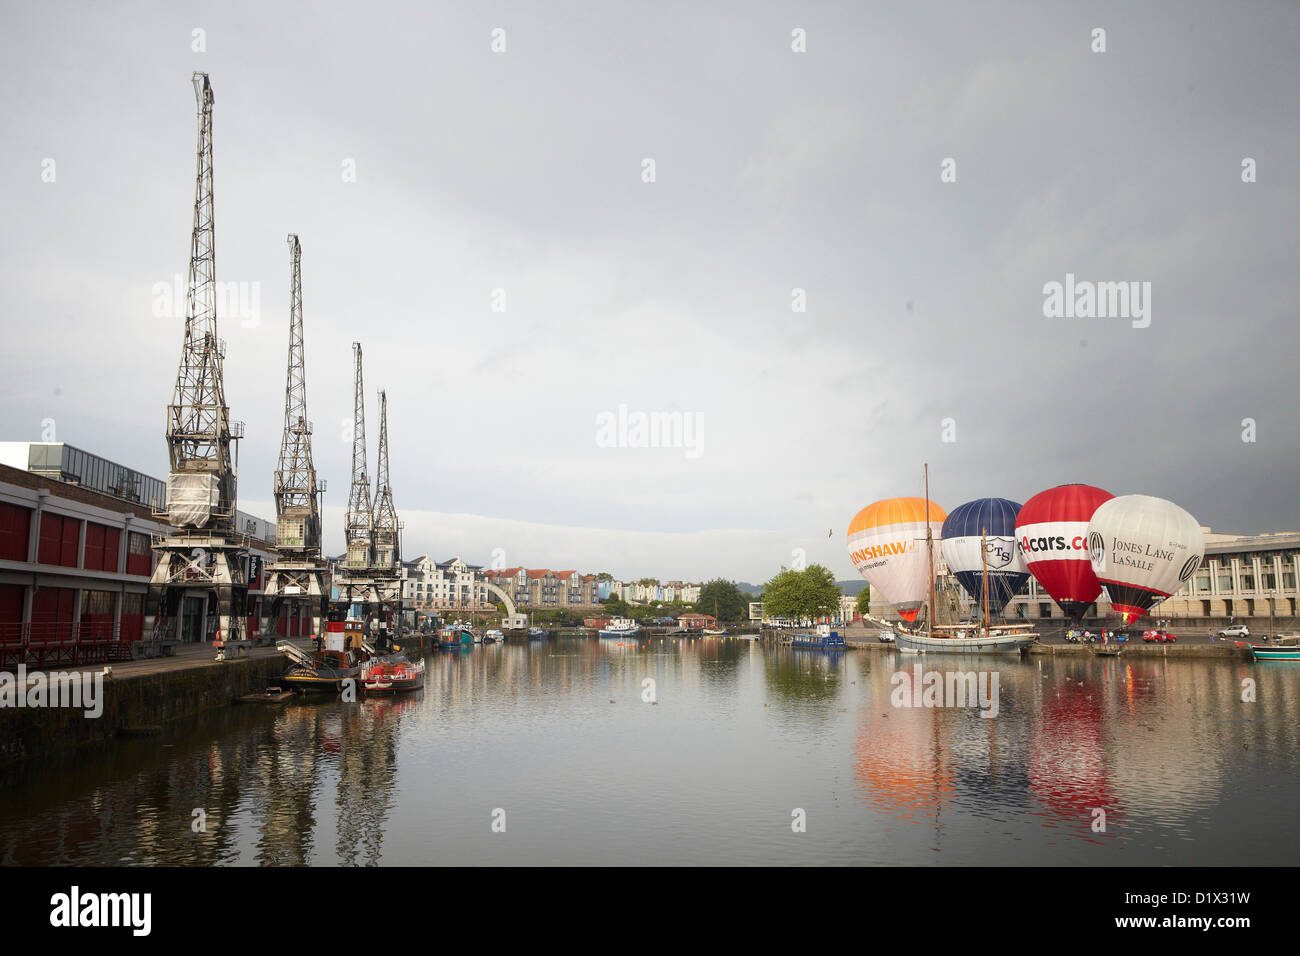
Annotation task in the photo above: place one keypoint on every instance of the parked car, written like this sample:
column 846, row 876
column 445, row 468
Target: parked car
column 1234, row 631
column 1158, row 637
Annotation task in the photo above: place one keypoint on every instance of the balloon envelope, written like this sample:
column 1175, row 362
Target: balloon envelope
column 1052, row 534
column 1142, row 550
column 887, row 544
column 980, row 537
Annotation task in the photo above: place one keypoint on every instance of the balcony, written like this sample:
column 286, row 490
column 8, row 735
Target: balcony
column 61, row 644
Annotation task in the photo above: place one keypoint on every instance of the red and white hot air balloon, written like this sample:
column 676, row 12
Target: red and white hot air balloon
column 887, row 545
column 1142, row 550
column 1052, row 534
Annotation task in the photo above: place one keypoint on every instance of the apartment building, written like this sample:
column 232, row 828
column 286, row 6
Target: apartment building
column 545, row 589
column 450, row 585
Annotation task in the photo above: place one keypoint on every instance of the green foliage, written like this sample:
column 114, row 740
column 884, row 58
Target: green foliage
column 864, row 600
column 723, row 599
column 800, row 595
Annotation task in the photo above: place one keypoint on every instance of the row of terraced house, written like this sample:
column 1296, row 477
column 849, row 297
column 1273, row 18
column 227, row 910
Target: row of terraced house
column 635, row 592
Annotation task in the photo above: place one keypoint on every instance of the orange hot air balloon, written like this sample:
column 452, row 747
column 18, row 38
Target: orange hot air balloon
column 887, row 545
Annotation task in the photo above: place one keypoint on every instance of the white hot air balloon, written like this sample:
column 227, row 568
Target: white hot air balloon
column 1142, row 550
column 887, row 545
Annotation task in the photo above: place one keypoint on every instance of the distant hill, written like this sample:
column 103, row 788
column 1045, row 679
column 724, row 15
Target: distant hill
column 754, row 590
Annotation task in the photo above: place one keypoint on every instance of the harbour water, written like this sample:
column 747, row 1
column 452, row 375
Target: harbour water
column 554, row 752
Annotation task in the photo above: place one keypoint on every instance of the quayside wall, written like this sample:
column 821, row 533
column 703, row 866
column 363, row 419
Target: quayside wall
column 133, row 704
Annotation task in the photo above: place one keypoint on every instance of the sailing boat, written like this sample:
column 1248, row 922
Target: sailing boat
column 961, row 639
column 717, row 630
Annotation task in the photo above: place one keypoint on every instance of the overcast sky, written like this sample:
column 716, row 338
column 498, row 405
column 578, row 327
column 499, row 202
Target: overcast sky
column 775, row 170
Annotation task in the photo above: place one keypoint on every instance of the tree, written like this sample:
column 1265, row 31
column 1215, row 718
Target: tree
column 616, row 605
column 864, row 601
column 604, row 576
column 732, row 604
column 801, row 595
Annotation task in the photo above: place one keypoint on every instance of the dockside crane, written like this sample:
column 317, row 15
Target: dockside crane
column 387, row 567
column 298, row 577
column 360, row 581
column 388, row 549
column 359, row 521
column 202, row 560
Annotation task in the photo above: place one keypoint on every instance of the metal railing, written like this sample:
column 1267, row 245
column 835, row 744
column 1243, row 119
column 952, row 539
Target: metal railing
column 62, row 644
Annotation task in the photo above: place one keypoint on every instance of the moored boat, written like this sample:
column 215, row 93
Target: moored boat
column 493, row 636
column 393, row 675
column 1261, row 653
column 537, row 634
column 337, row 659
column 979, row 638
column 996, row 641
column 620, row 627
column 823, row 640
column 455, row 636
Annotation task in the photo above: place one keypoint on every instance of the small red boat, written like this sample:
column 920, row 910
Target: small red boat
column 381, row 676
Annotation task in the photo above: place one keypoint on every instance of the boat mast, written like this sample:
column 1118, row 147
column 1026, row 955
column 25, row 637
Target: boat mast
column 929, row 547
column 984, row 547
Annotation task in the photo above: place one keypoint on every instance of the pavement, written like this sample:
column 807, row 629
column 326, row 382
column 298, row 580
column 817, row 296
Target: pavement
column 186, row 656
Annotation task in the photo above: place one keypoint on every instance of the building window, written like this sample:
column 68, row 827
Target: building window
column 1247, row 574
column 15, row 523
column 139, row 556
column 59, row 539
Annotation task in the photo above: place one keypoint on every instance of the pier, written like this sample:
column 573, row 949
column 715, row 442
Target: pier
column 138, row 697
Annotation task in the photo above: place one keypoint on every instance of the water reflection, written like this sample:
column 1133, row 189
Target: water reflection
column 696, row 752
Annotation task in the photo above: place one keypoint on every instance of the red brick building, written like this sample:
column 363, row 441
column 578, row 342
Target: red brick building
column 75, row 563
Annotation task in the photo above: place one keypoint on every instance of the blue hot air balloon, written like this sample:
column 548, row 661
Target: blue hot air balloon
column 980, row 536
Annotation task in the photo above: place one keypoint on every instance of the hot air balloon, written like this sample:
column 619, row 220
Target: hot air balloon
column 887, row 545
column 1052, row 534
column 979, row 538
column 1143, row 549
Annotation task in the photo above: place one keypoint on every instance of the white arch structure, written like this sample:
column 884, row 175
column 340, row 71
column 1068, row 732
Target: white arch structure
column 513, row 618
